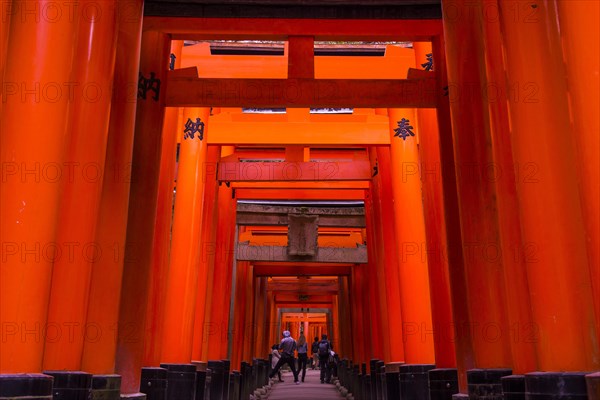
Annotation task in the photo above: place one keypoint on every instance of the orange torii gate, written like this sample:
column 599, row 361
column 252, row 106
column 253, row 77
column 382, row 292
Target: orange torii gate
column 417, row 91
column 407, row 92
column 538, row 293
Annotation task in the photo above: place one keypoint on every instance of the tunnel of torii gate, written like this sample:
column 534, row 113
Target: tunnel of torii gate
column 181, row 182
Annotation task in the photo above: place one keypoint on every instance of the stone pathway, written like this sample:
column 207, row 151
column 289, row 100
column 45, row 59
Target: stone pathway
column 310, row 389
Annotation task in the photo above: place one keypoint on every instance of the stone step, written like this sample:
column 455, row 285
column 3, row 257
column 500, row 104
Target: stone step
column 310, row 389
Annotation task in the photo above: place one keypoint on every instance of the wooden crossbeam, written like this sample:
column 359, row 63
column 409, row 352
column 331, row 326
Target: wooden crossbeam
column 391, row 66
column 357, row 255
column 306, row 133
column 316, row 154
column 312, row 288
column 185, row 89
column 286, row 209
column 304, row 185
column 287, row 297
column 304, row 304
column 301, row 270
column 300, row 319
column 263, row 171
column 299, row 194
column 261, row 215
column 418, row 30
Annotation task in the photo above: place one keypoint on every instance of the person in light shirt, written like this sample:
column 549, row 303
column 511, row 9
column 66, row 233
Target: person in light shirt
column 286, row 349
column 275, row 356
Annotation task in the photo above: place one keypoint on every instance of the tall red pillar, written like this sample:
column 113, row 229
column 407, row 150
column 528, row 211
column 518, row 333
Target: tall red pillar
column 172, row 134
column 182, row 284
column 580, row 49
column 32, row 169
column 260, row 309
column 81, row 192
column 348, row 335
column 218, row 296
column 477, row 195
column 436, row 245
column 462, row 338
column 369, row 280
column 547, row 185
column 249, row 326
column 386, row 246
column 515, row 253
column 238, row 333
column 142, row 211
column 103, row 305
column 206, row 252
column 410, row 236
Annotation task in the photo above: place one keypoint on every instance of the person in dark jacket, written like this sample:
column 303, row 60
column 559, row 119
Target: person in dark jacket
column 324, row 353
column 314, row 349
column 286, row 349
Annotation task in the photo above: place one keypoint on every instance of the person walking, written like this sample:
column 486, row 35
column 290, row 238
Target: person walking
column 314, row 349
column 324, row 349
column 286, row 350
column 275, row 356
column 334, row 360
column 302, row 355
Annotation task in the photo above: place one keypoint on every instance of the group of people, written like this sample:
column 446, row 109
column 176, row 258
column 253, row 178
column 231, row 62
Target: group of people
column 322, row 354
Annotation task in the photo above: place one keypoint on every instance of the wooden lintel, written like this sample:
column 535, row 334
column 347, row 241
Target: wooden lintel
column 263, row 171
column 184, row 89
column 288, row 297
column 284, row 209
column 301, row 269
column 417, row 30
column 321, row 320
column 316, row 130
column 304, row 185
column 275, row 155
column 299, row 194
column 303, row 304
column 357, row 255
column 264, row 215
column 349, row 221
column 308, row 289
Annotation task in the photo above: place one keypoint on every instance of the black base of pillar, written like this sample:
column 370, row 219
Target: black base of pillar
column 379, row 379
column 593, row 385
column 226, row 369
column 366, row 388
column 556, row 385
column 245, row 378
column 234, row 393
column 485, row 384
column 217, row 380
column 373, row 376
column 443, row 383
column 26, row 386
column 513, row 387
column 154, row 383
column 71, row 385
column 200, row 384
column 181, row 381
column 106, row 387
column 392, row 385
column 414, row 381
